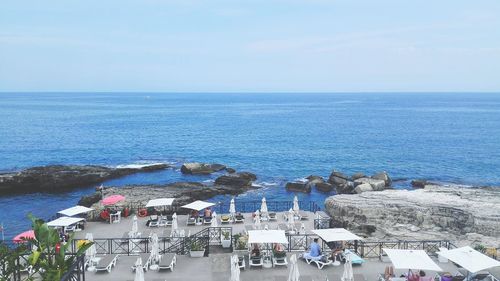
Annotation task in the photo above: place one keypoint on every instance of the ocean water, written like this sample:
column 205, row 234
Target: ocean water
column 281, row 137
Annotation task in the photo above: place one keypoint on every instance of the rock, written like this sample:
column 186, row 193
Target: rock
column 324, row 186
column 243, row 179
column 358, row 176
column 418, row 183
column 183, row 192
column 89, row 200
column 433, row 213
column 341, row 183
column 364, row 187
column 315, row 179
column 201, row 168
column 231, row 170
column 57, row 178
column 299, row 186
column 376, row 185
column 383, row 176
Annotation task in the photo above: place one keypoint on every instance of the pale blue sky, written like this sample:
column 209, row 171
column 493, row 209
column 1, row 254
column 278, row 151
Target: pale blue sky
column 254, row 46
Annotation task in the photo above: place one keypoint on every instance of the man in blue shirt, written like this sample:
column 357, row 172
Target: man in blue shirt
column 315, row 249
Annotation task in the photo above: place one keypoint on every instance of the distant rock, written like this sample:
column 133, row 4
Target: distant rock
column 201, row 168
column 364, row 187
column 376, row 185
column 89, row 200
column 383, row 176
column 358, row 176
column 299, row 186
column 57, row 178
column 230, row 170
column 324, row 187
column 242, row 179
column 315, row 179
column 341, row 183
column 418, row 183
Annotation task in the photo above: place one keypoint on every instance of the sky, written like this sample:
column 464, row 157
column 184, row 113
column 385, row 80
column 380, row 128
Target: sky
column 250, row 46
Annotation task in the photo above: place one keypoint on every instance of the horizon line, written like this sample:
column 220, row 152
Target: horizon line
column 250, row 92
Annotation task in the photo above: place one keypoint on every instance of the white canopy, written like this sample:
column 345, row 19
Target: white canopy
column 198, row 205
column 64, row 221
column 160, row 202
column 408, row 259
column 75, row 210
column 469, row 259
column 336, row 234
column 267, row 236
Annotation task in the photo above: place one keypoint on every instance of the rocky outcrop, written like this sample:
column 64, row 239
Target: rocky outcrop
column 376, row 185
column 240, row 180
column 315, row 179
column 324, row 187
column 299, row 186
column 418, row 183
column 435, row 212
column 363, row 187
column 201, row 168
column 383, row 176
column 183, row 192
column 57, row 178
column 358, row 176
column 341, row 183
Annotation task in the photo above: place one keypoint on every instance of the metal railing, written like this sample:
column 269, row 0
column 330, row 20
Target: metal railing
column 220, row 207
column 76, row 272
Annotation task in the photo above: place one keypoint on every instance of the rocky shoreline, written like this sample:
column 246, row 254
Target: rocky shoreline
column 184, row 192
column 463, row 215
column 57, row 178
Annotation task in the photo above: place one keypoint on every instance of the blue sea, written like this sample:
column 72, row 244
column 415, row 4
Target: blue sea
column 447, row 137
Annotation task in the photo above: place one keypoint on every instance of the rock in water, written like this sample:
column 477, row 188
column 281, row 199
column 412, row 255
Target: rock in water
column 383, row 176
column 201, row 168
column 358, row 176
column 450, row 213
column 323, row 186
column 57, row 178
column 364, row 187
column 418, row 183
column 315, row 179
column 341, row 183
column 299, row 186
column 242, row 179
column 376, row 185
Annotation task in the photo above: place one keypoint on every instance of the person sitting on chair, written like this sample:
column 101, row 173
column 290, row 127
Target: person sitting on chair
column 255, row 251
column 207, row 213
column 278, row 250
column 389, row 273
column 315, row 250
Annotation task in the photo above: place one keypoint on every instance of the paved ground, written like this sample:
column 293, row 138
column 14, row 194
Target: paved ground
column 217, row 267
column 116, row 230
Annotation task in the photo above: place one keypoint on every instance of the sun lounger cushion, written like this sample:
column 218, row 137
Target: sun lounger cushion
column 106, row 263
column 167, row 261
column 355, row 259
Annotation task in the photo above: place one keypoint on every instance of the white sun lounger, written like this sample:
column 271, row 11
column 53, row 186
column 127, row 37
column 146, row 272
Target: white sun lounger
column 167, row 261
column 320, row 261
column 106, row 263
column 146, row 262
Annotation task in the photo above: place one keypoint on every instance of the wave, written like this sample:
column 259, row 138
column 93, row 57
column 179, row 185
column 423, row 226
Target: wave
column 138, row 165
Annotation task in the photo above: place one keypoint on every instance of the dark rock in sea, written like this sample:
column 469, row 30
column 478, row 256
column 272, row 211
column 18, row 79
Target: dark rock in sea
column 57, row 178
column 241, row 180
column 315, row 179
column 299, row 186
column 358, row 176
column 341, row 183
column 324, row 186
column 201, row 168
column 418, row 183
column 383, row 176
column 89, row 200
column 230, row 170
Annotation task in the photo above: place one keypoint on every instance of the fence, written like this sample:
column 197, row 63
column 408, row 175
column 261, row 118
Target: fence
column 222, row 207
column 76, row 272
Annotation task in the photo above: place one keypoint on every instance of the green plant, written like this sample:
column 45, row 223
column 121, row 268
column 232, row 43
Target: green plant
column 480, row 248
column 241, row 241
column 226, row 235
column 196, row 246
column 8, row 257
column 49, row 255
